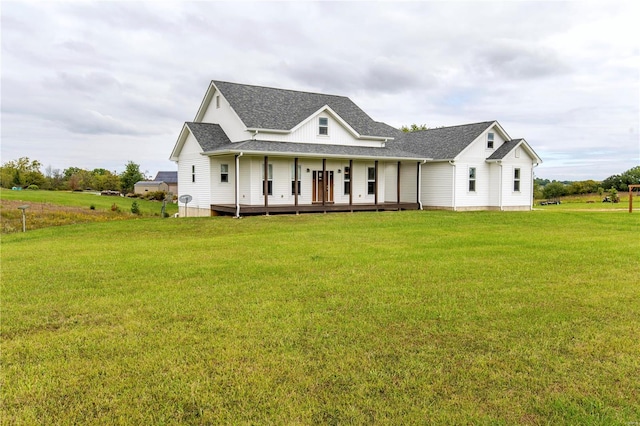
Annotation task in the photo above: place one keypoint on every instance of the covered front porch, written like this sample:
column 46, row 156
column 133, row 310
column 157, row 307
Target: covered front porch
column 245, row 209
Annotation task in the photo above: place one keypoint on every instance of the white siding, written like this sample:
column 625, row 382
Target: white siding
column 437, row 185
column 409, row 182
column 223, row 192
column 308, row 133
column 523, row 199
column 226, row 118
column 190, row 157
column 391, row 182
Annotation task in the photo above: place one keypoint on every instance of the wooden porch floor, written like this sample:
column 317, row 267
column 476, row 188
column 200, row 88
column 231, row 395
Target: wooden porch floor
column 226, row 209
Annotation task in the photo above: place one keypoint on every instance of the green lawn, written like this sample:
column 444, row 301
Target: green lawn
column 365, row 318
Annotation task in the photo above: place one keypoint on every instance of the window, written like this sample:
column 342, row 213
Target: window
column 193, row 174
column 293, row 178
column 269, row 180
column 323, row 126
column 516, row 180
column 347, row 180
column 371, row 180
column 472, row 179
column 224, row 173
column 218, row 101
column 489, row 140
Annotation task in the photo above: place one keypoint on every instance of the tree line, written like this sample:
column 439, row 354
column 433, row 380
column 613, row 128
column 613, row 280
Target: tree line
column 554, row 189
column 27, row 173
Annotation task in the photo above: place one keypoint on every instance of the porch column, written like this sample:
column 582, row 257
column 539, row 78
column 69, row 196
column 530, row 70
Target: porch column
column 375, row 192
column 351, row 184
column 419, row 185
column 398, row 185
column 265, row 184
column 237, row 188
column 324, row 180
column 295, row 182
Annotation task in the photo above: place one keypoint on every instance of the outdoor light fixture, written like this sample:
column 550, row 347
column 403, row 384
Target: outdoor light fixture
column 339, row 171
column 308, row 170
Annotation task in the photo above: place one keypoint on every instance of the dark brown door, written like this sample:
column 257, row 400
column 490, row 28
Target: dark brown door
column 322, row 186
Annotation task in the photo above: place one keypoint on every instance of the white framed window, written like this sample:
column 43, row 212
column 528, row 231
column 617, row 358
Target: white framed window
column 371, row 180
column 193, row 174
column 490, row 138
column 269, row 180
column 516, row 180
column 293, row 178
column 472, row 179
column 323, row 126
column 224, row 173
column 347, row 180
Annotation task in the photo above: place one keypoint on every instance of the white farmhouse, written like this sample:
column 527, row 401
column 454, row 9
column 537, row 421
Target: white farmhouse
column 256, row 150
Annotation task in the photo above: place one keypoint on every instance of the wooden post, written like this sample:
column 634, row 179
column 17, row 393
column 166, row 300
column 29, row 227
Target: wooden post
column 631, row 197
column 324, row 181
column 398, row 186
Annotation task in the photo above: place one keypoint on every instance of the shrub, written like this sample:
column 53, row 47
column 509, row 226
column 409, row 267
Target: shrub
column 33, row 187
column 135, row 209
column 115, row 208
column 92, row 207
column 155, row 195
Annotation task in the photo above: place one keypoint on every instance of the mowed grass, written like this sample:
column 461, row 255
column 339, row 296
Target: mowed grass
column 366, row 318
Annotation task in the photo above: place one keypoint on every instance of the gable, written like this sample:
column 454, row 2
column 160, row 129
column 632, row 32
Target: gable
column 208, row 136
column 443, row 143
column 514, row 149
column 272, row 109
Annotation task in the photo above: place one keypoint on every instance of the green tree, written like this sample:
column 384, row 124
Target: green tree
column 554, row 189
column 414, row 128
column 130, row 176
column 21, row 172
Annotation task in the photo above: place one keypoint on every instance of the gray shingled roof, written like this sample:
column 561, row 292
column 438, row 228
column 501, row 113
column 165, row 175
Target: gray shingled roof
column 444, row 143
column 167, row 177
column 209, row 136
column 213, row 140
column 318, row 149
column 504, row 149
column 279, row 109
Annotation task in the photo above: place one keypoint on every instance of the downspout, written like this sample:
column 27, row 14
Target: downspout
column 420, row 184
column 500, row 187
column 532, row 186
column 453, row 178
column 238, row 184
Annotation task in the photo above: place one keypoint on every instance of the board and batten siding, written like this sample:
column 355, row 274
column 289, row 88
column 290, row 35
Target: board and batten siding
column 190, row 159
column 309, row 133
column 226, row 118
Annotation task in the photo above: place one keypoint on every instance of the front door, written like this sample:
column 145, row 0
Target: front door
column 322, row 186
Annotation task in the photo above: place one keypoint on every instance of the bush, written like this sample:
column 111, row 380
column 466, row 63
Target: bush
column 92, row 207
column 155, row 195
column 135, row 209
column 34, row 187
column 115, row 208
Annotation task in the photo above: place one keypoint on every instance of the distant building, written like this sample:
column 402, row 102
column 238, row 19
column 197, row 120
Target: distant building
column 145, row 186
column 170, row 178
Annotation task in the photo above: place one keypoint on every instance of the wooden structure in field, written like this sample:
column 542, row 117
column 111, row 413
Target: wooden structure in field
column 631, row 197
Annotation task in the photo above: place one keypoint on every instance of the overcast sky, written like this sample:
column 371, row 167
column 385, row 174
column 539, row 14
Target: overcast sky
column 95, row 84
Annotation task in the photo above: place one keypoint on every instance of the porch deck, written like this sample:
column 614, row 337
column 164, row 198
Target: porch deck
column 226, row 209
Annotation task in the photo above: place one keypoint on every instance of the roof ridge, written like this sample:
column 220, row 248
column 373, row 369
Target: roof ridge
column 278, row 88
